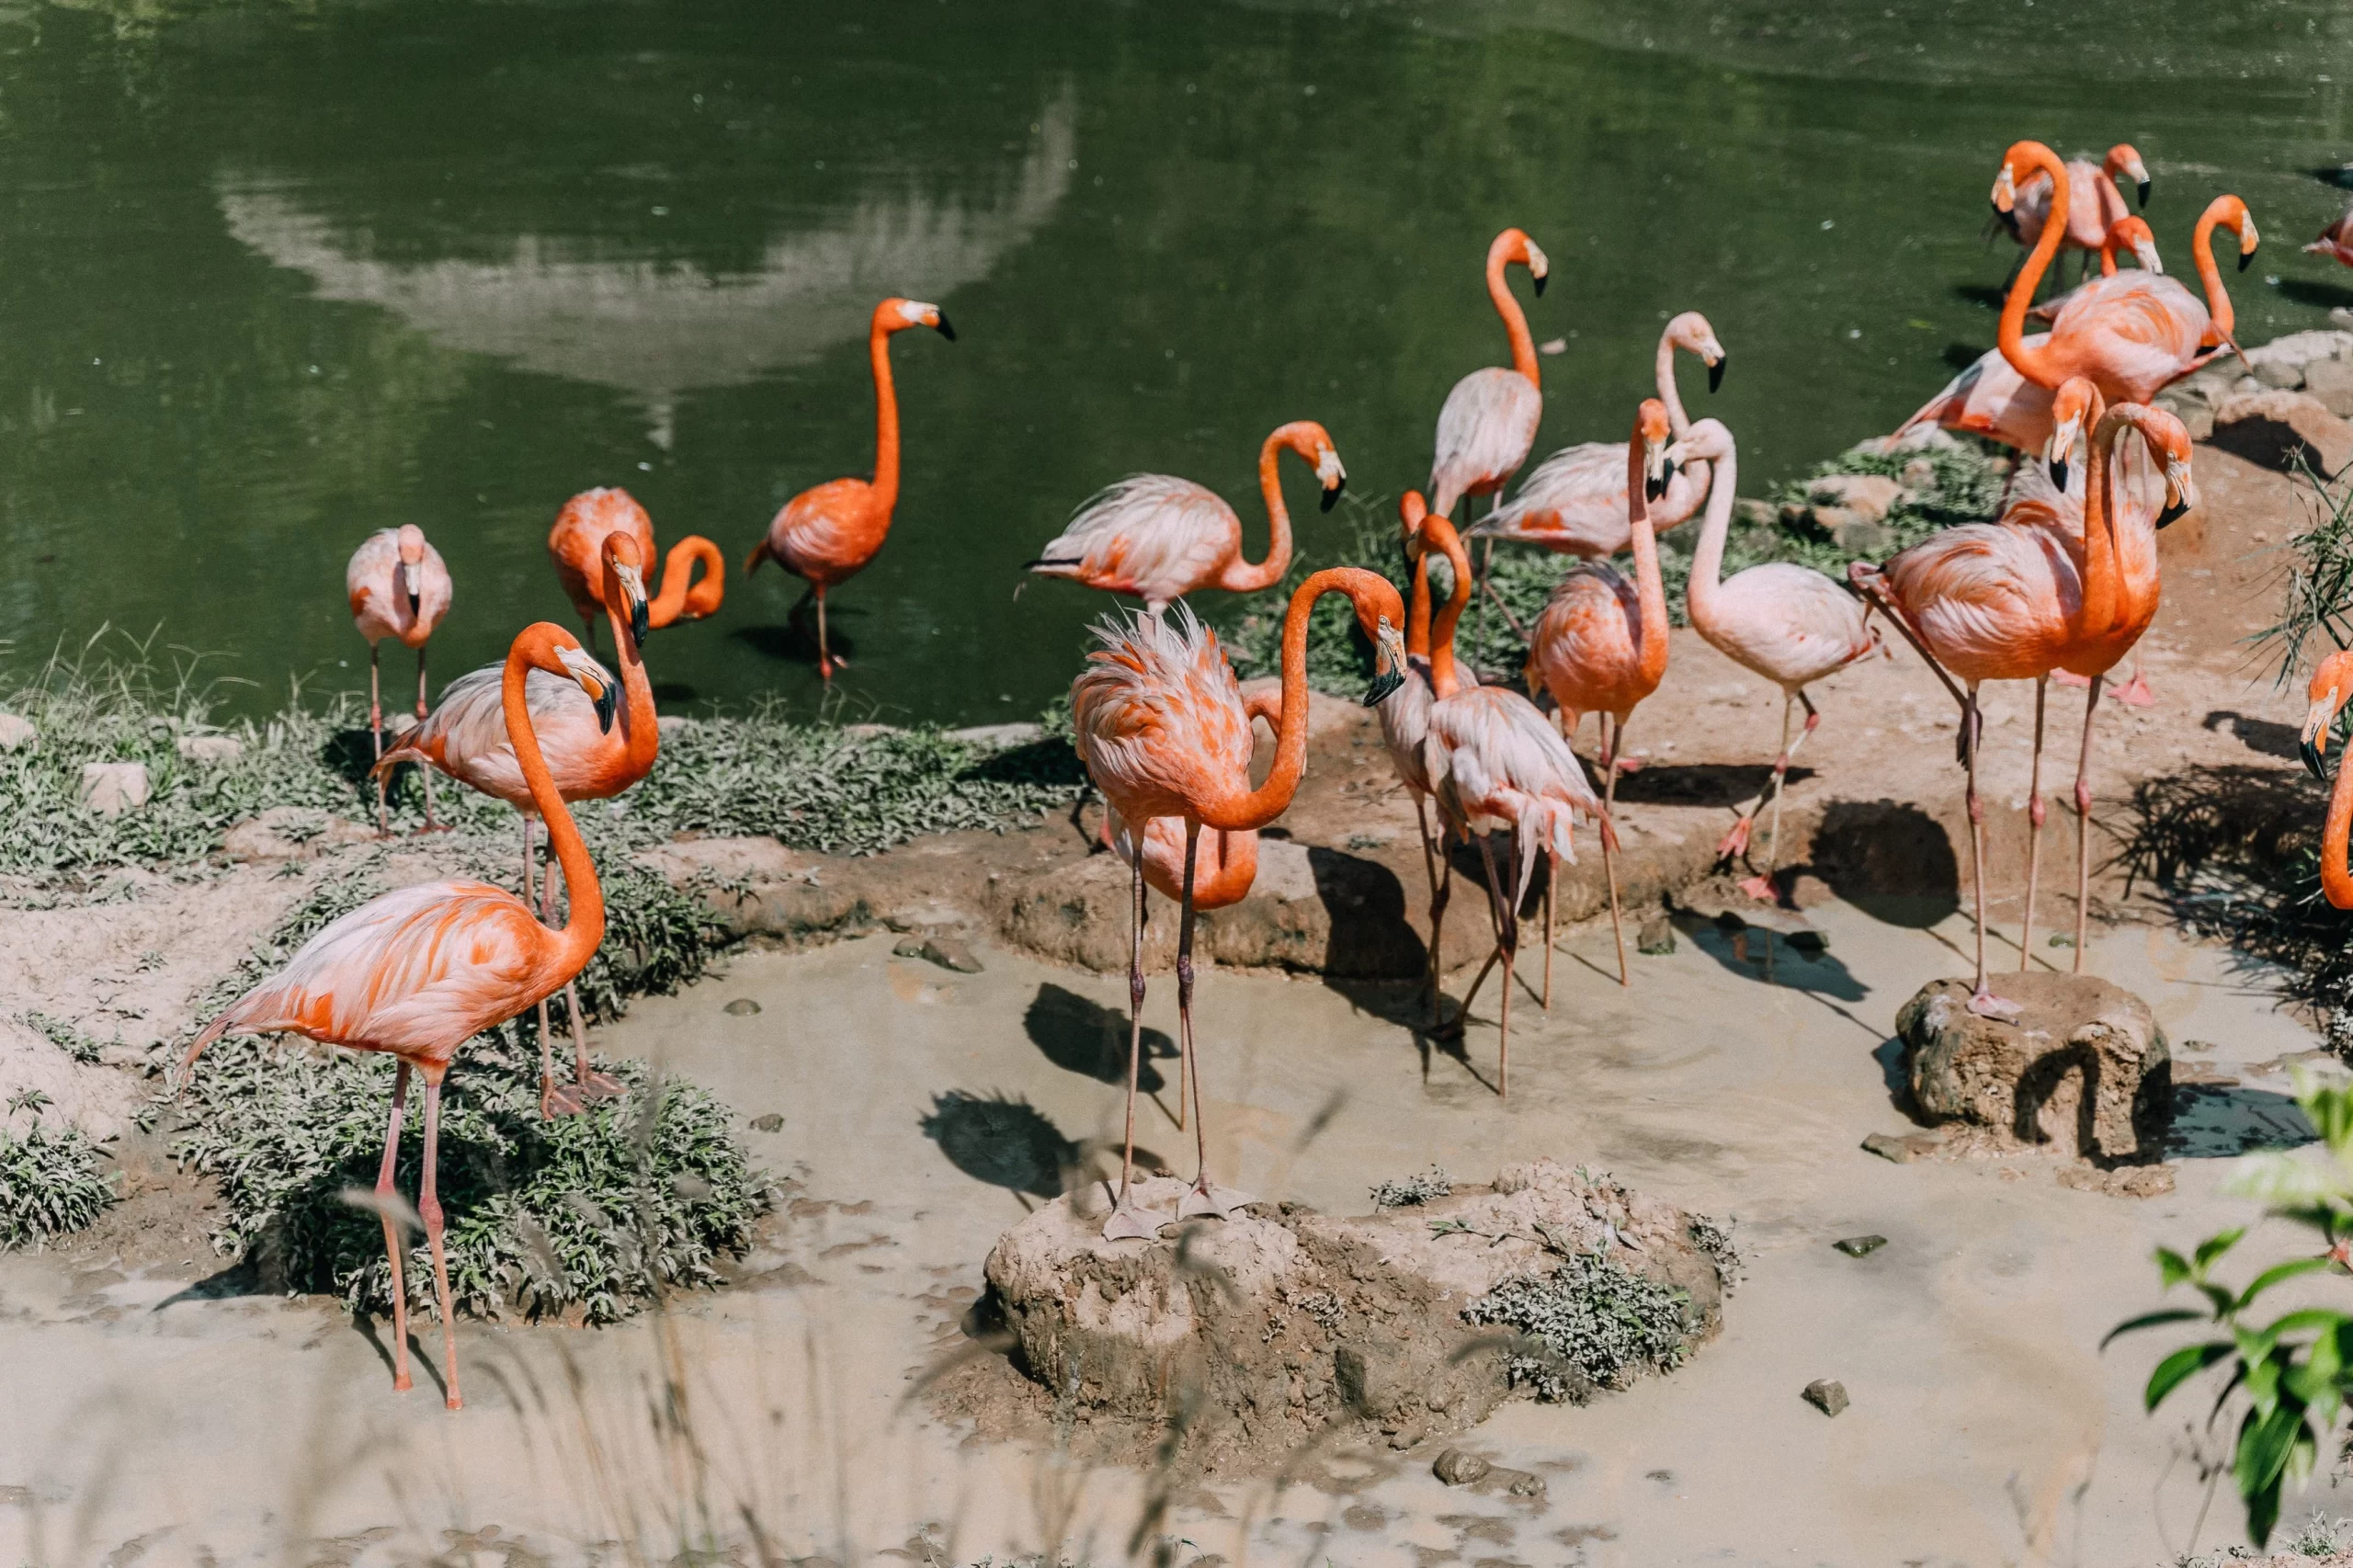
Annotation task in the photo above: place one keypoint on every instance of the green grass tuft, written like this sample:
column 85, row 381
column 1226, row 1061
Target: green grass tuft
column 50, row 1185
column 1589, row 1322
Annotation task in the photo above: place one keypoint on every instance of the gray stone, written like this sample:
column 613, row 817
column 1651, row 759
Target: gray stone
column 2287, row 378
column 1656, row 936
column 209, row 750
column 2331, row 382
column 1826, row 1394
column 1902, row 1148
column 292, row 833
column 772, row 1123
column 1524, row 1485
column 999, row 735
column 2085, row 1070
column 1919, row 475
column 2196, row 415
column 16, row 731
column 948, row 953
column 674, row 724
column 742, row 1007
column 111, row 788
column 1749, row 511
column 1457, row 1468
column 1860, row 1246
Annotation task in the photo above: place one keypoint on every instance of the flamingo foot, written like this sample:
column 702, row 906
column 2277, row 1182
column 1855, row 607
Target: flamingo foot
column 403, row 1382
column 1634, row 764
column 2136, row 693
column 1207, row 1198
column 599, row 1085
column 432, row 827
column 1762, row 890
column 2069, row 677
column 1985, row 1005
column 1131, row 1219
column 559, row 1100
column 1735, row 842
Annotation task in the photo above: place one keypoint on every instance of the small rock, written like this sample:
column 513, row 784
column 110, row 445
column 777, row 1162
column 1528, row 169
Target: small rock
column 1860, row 1246
column 1826, row 1394
column 672, row 724
column 1524, row 1485
column 950, row 953
column 1864, row 497
column 111, row 788
column 2287, row 378
column 999, row 735
column 2331, row 381
column 742, row 1007
column 2197, row 414
column 210, row 750
column 1458, row 1468
column 16, row 731
column 1919, row 475
column 771, row 1122
column 399, row 724
column 1656, row 936
column 2121, row 1181
column 1902, row 1148
column 908, row 947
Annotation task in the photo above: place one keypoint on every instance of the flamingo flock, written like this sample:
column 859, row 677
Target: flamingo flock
column 2063, row 584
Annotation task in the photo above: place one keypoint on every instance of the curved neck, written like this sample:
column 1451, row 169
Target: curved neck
column 1417, row 609
column 886, row 421
column 1243, row 577
column 1650, row 589
column 1446, row 679
column 1708, row 564
column 1256, row 808
column 640, row 727
column 1523, row 346
column 2336, row 880
column 2100, row 597
column 1676, row 418
column 577, row 939
column 682, row 596
column 2034, row 363
column 2201, row 249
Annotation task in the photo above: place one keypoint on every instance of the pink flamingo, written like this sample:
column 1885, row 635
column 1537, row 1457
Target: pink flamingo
column 469, row 739
column 1160, row 538
column 575, row 541
column 1575, row 504
column 1788, row 623
column 1404, row 730
column 1498, row 765
column 826, row 535
column 398, row 586
column 2330, row 683
column 1600, row 645
column 1488, row 422
column 2337, row 240
column 2126, row 235
column 2094, row 203
column 1160, row 725
column 417, row 974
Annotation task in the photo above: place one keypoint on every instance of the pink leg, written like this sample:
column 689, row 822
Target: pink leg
column 430, row 825
column 430, row 1205
column 2084, row 826
column 1205, row 1198
column 1614, row 739
column 376, row 729
column 587, row 1083
column 2034, row 815
column 384, row 1191
column 1982, row 1000
column 1507, row 949
column 1128, row 1216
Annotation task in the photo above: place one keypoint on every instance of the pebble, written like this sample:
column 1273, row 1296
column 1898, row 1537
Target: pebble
column 742, row 1007
column 1901, row 1148
column 110, row 789
column 1826, row 1394
column 1656, row 936
column 1860, row 1246
column 771, row 1122
column 1458, row 1468
column 945, row 951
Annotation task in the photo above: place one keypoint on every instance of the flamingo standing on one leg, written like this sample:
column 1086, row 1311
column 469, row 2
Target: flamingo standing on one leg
column 827, row 534
column 1160, row 538
column 575, row 541
column 467, row 738
column 417, row 974
column 2094, row 203
column 1786, row 622
column 1600, row 645
column 1574, row 502
column 2330, row 685
column 1497, row 764
column 398, row 586
column 1160, row 725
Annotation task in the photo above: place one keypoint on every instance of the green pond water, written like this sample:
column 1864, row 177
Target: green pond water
column 273, row 276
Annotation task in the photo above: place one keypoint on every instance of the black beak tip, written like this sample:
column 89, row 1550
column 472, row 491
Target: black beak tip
column 639, row 621
column 1716, row 371
column 1382, row 685
column 1540, row 280
column 412, row 601
column 2245, row 256
column 1653, row 488
column 2146, row 186
column 1331, row 495
column 2059, row 473
column 2172, row 513
column 606, row 707
column 943, row 328
column 2314, row 761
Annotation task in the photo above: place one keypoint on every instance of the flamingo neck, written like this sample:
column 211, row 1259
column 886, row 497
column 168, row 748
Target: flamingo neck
column 1676, row 418
column 1417, row 609
column 886, row 421
column 1256, row 808
column 1650, row 588
column 2218, row 303
column 1243, row 577
column 1446, row 677
column 2133, row 532
column 2099, row 604
column 1708, row 563
column 577, row 939
column 1523, row 346
column 2034, row 363
column 681, row 596
column 2336, row 880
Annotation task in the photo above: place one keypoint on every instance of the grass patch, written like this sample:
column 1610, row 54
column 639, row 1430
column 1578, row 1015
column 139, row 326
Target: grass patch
column 50, row 1183
column 1589, row 1324
column 1412, row 1190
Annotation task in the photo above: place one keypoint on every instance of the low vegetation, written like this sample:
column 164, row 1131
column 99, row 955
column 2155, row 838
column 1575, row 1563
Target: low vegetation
column 50, row 1180
column 1590, row 1322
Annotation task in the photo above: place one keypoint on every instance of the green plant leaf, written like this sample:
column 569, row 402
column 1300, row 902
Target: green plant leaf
column 2182, row 1365
column 2264, row 1445
column 2213, row 1247
column 2153, row 1320
column 2275, row 1274
column 2172, row 1267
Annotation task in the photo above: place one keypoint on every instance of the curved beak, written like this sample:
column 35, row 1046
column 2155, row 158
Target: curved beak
column 1539, row 279
column 2059, row 476
column 2247, row 252
column 1716, row 371
column 2147, row 185
column 942, row 327
column 2005, row 191
column 2181, row 494
column 1657, row 469
column 639, row 622
column 2148, row 257
column 1332, row 494
column 608, row 704
column 2313, row 743
column 1388, row 664
column 409, row 585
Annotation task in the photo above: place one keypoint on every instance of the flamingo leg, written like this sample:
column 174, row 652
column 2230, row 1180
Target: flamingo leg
column 587, row 1083
column 1442, row 889
column 1552, row 885
column 1981, row 1001
column 1613, row 735
column 1129, row 1218
column 2083, row 825
column 2034, row 815
column 1204, row 1198
column 430, row 825
column 1508, row 949
column 428, row 1205
column 384, row 1190
column 376, row 730
column 827, row 663
column 554, row 1101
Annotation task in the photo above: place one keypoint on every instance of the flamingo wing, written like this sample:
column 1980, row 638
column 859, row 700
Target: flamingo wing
column 1992, row 602
column 828, row 531
column 576, row 540
column 1574, row 502
column 367, row 584
column 1789, row 624
column 1405, row 724
column 1153, row 535
column 465, row 738
column 2139, row 332
column 1991, row 399
column 1158, row 716
column 1586, row 646
column 1485, row 431
column 1507, row 767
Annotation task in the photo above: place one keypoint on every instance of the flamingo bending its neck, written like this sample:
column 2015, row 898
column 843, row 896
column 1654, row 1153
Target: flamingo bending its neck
column 1404, row 729
column 2095, row 202
column 399, row 586
column 2126, row 237
column 1160, row 723
column 417, row 974
column 575, row 541
column 1160, row 538
column 827, row 534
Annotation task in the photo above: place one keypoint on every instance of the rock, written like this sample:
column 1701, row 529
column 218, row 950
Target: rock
column 1859, row 1246
column 111, row 788
column 1919, row 477
column 772, row 1123
column 2085, row 1070
column 399, row 724
column 61, row 1092
column 2341, row 314
column 2300, row 349
column 737, row 860
column 999, row 735
column 2197, row 416
column 742, row 1007
column 209, row 750
column 2272, row 427
column 1656, row 936
column 292, row 833
column 2331, row 382
column 1860, row 537
column 929, row 916
column 2273, row 374
column 16, row 731
column 1524, row 1485
column 945, row 951
column 1458, row 1468
column 1826, row 1394
column 1862, row 497
column 2119, row 1181
column 1902, row 1148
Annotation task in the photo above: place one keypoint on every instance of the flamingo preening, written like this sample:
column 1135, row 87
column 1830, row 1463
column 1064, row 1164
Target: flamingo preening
column 1488, row 422
column 2126, row 235
column 1160, row 723
column 1160, row 538
column 398, row 586
column 587, row 756
column 1786, row 622
column 826, row 535
column 417, row 974
column 574, row 543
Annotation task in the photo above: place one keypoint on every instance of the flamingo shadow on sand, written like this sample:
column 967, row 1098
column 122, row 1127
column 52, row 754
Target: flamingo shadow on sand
column 1006, row 1142
column 1080, row 1035
column 1725, row 784
column 1755, row 952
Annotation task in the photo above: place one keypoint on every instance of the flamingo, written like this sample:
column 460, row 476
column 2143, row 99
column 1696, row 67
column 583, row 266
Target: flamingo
column 417, row 974
column 573, row 544
column 827, row 534
column 2330, row 684
column 409, row 610
column 1405, row 726
column 1160, row 538
column 1575, row 504
column 1497, row 764
column 2337, row 240
column 2095, row 202
column 1488, row 422
column 1160, row 725
column 1600, row 645
column 467, row 737
column 2126, row 235
column 1786, row 622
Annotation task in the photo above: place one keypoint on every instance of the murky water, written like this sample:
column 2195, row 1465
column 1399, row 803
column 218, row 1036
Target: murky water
column 274, row 276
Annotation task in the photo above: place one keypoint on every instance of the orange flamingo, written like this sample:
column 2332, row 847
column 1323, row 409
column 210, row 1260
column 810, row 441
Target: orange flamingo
column 1575, row 504
column 2330, row 684
column 1786, row 622
column 574, row 544
column 1160, row 725
column 1600, row 645
column 2337, row 240
column 1488, row 421
column 2131, row 235
column 467, row 738
column 1160, row 538
column 1498, row 765
column 1404, row 730
column 408, row 609
column 2095, row 202
column 827, row 534
column 418, row 972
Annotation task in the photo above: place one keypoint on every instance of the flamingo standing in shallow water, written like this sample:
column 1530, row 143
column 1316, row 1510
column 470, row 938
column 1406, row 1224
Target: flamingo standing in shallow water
column 575, row 541
column 1160, row 725
column 1786, row 622
column 1575, row 504
column 398, row 586
column 1600, row 645
column 827, row 534
column 417, row 974
column 468, row 738
column 2095, row 202
column 1160, row 538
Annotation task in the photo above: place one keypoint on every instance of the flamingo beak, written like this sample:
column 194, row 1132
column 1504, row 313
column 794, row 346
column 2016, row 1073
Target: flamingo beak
column 1716, row 371
column 2313, row 743
column 2148, row 257
column 2147, row 185
column 1538, row 277
column 1657, row 469
column 1335, row 478
column 633, row 583
column 940, row 325
column 1332, row 494
column 409, row 585
column 1388, row 664
column 2006, row 193
column 2249, row 242
column 2181, row 494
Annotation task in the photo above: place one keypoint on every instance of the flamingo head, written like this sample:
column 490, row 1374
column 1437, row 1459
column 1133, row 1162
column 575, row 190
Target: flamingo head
column 1311, row 441
column 2135, row 235
column 572, row 660
column 1707, row 440
column 2169, row 438
column 1656, row 433
column 2124, row 162
column 2331, row 682
column 412, row 554
column 625, row 573
column 1691, row 333
column 1412, row 513
column 2020, row 163
column 897, row 316
column 1513, row 244
column 1388, row 657
column 2075, row 406
column 2230, row 212
column 1380, row 613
